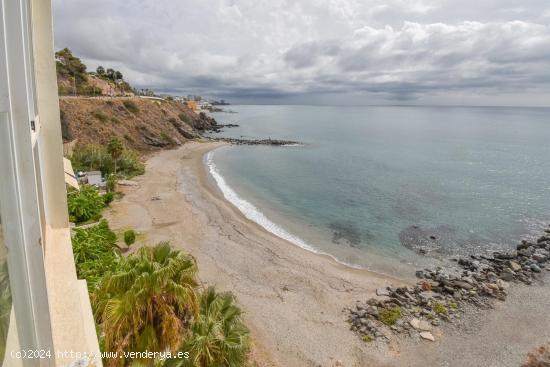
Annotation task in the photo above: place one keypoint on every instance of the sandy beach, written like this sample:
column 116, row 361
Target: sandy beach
column 293, row 299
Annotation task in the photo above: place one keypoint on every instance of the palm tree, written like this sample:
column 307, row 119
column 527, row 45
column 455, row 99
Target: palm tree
column 219, row 337
column 115, row 148
column 148, row 303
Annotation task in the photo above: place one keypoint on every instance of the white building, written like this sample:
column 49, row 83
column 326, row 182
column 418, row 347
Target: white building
column 94, row 178
column 43, row 306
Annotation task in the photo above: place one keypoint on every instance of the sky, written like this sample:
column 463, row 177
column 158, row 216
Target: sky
column 349, row 52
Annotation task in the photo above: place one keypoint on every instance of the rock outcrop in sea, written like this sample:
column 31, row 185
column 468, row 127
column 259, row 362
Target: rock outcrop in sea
column 278, row 142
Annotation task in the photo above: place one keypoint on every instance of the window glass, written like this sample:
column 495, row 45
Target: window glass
column 9, row 338
column 5, row 296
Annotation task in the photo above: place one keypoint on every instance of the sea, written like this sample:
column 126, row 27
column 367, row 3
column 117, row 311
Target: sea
column 393, row 182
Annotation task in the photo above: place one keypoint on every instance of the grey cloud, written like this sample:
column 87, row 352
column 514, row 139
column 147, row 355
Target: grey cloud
column 308, row 54
column 503, row 56
column 281, row 50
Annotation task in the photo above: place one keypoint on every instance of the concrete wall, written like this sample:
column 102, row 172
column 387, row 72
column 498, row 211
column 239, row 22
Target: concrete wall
column 48, row 107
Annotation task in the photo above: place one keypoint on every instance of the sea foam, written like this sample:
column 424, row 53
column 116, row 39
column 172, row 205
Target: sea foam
column 249, row 210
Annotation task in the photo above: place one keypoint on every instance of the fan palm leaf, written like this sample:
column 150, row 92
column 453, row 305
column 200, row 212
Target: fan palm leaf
column 219, row 337
column 148, row 303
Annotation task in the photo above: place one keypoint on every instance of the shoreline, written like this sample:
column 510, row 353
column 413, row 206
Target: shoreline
column 248, row 210
column 386, row 266
column 293, row 298
column 213, row 188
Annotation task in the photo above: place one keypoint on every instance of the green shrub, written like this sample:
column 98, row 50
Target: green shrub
column 367, row 338
column 92, row 157
column 95, row 252
column 62, row 90
column 108, row 198
column 100, row 115
column 95, row 157
column 389, row 316
column 85, row 204
column 183, row 117
column 115, row 120
column 70, row 66
column 111, row 183
column 131, row 106
column 130, row 164
column 167, row 138
column 440, row 309
column 88, row 90
column 129, row 237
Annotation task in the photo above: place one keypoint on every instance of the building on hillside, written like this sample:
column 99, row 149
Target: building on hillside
column 204, row 105
column 94, row 178
column 43, row 306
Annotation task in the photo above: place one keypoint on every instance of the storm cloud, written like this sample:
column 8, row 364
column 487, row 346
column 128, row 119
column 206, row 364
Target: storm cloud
column 314, row 51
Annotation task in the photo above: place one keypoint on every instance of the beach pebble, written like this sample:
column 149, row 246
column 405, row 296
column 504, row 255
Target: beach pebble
column 535, row 268
column 514, row 265
column 382, row 292
column 444, row 294
column 420, row 324
column 372, row 310
column 427, row 336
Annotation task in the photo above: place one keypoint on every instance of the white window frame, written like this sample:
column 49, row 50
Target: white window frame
column 23, row 230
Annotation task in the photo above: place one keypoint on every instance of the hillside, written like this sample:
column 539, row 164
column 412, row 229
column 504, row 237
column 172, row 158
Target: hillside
column 97, row 106
column 143, row 124
column 74, row 79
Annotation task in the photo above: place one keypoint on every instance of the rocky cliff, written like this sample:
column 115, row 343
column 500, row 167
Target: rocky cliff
column 143, row 124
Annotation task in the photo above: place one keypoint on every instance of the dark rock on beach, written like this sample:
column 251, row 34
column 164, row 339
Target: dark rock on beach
column 442, row 295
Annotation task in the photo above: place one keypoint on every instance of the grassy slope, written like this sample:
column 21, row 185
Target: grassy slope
column 97, row 120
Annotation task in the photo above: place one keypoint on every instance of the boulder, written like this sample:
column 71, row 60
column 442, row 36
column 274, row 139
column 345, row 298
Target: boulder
column 382, row 292
column 526, row 252
column 420, row 324
column 514, row 265
column 372, row 310
column 535, row 268
column 505, row 255
column 426, row 335
column 541, row 255
column 462, row 284
column 523, row 245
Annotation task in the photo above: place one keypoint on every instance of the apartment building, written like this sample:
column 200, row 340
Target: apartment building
column 45, row 313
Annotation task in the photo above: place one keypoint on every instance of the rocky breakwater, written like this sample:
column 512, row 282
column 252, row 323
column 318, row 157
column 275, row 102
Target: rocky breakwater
column 442, row 295
column 277, row 142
